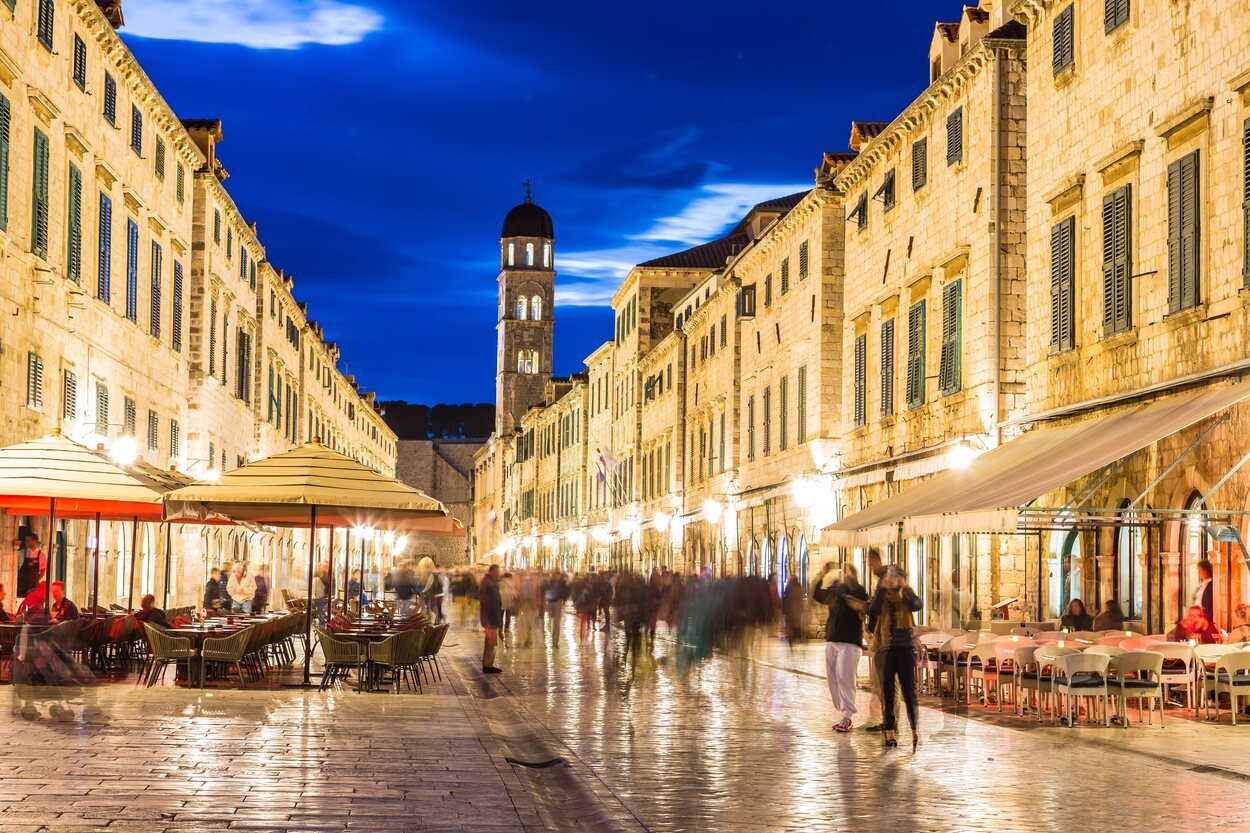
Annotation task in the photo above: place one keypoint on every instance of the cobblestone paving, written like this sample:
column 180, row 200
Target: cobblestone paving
column 731, row 744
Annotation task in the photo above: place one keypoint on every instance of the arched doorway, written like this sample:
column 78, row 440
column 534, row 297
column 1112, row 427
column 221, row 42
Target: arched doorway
column 1130, row 564
column 803, row 557
column 784, row 566
column 766, row 558
column 1196, row 544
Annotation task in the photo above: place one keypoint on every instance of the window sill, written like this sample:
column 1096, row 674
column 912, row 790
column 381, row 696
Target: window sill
column 1187, row 315
column 1065, row 76
column 1120, row 338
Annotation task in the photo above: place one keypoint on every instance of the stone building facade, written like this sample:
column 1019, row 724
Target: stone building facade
column 111, row 271
column 442, row 469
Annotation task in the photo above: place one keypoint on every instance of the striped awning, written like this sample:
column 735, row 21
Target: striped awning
column 282, row 490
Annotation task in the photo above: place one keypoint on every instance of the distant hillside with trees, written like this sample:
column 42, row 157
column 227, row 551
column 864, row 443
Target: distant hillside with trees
column 436, row 422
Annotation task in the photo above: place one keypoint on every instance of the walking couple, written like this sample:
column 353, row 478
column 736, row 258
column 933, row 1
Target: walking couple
column 892, row 656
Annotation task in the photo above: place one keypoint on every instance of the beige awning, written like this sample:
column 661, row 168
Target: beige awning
column 282, row 489
column 986, row 496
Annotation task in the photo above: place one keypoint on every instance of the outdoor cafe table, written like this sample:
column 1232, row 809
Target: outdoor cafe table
column 197, row 632
column 362, row 635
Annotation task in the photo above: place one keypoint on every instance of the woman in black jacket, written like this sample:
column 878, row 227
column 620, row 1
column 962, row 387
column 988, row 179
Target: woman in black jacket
column 892, row 622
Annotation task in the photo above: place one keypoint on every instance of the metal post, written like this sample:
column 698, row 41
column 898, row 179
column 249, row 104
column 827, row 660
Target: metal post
column 95, row 568
column 308, row 607
column 360, row 601
column 169, row 537
column 134, row 548
column 47, row 580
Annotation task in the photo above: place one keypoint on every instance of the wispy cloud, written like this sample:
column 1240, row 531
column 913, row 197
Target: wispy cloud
column 260, row 24
column 590, row 278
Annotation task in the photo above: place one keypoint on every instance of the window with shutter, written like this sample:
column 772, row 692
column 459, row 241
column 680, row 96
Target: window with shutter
column 101, row 409
column 768, row 290
column 955, row 136
column 803, row 263
column 950, row 376
column 785, row 275
column 1061, row 53
column 154, row 309
column 217, row 226
column 153, row 429
column 34, row 381
column 80, row 63
column 861, row 212
column 1062, row 290
column 919, row 163
column 104, row 269
column 750, row 427
column 886, row 192
column 767, row 404
column 73, row 265
column 800, row 380
column 132, row 270
column 39, row 197
column 6, row 121
column 887, row 368
column 175, row 439
column 1245, row 199
column 252, row 275
column 181, row 183
column 229, row 243
column 212, row 338
column 1183, row 233
column 861, row 386
column 724, row 331
column 783, row 413
column 721, row 445
column 1116, row 261
column 242, row 262
column 136, row 130
column 175, row 338
column 110, row 99
column 43, row 27
column 159, row 159
column 69, row 397
column 129, row 416
column 1115, row 14
column 916, row 354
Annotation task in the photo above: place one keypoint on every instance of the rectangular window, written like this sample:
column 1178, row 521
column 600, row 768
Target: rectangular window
column 175, row 338
column 955, row 136
column 153, row 429
column 721, row 444
column 785, row 275
column 750, row 427
column 1062, row 289
column 860, row 213
column 104, row 270
column 217, row 226
column 242, row 262
column 136, row 130
column 887, row 368
column 1117, row 255
column 916, row 354
column 73, row 260
column 6, row 120
column 768, row 290
column 861, row 380
column 175, row 439
column 1115, row 14
column 919, row 163
column 212, row 338
column 39, row 197
column 132, row 270
column 886, row 191
column 950, row 375
column 243, row 376
column 43, row 28
column 1061, row 47
column 801, row 426
column 34, row 381
column 803, row 262
column 154, row 310
column 101, row 409
column 129, row 416
column 110, row 99
column 80, row 63
column 1183, row 233
column 767, row 404
column 159, row 159
column 229, row 243
column 181, row 183
column 724, row 330
column 69, row 397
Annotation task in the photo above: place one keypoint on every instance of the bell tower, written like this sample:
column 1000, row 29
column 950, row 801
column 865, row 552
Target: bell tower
column 527, row 280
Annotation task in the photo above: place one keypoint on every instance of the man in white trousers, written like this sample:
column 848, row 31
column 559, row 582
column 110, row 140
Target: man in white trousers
column 847, row 600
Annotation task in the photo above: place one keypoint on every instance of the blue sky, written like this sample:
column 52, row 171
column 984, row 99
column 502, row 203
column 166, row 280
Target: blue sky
column 379, row 143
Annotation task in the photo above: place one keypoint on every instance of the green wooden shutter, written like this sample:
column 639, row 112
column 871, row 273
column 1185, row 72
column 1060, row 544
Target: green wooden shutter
column 181, row 183
column 1062, row 239
column 175, row 338
column 105, row 264
column 919, row 164
column 949, row 369
column 783, row 402
column 750, row 427
column 80, row 62
column 803, row 262
column 136, row 130
column 1061, row 53
column 132, row 270
column 73, row 266
column 44, row 26
column 861, row 369
column 1116, row 261
column 110, row 99
column 767, row 404
column 1183, row 233
column 955, row 136
column 39, row 197
column 785, row 275
column 69, row 397
column 721, row 444
column 154, row 307
column 1245, row 196
column 1115, row 14
column 887, row 368
column 6, row 117
column 159, row 159
column 801, row 381
column 916, row 355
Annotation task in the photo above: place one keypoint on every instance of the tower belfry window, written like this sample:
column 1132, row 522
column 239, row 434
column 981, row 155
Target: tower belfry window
column 522, row 309
column 547, row 255
column 529, row 254
column 537, row 306
column 512, row 254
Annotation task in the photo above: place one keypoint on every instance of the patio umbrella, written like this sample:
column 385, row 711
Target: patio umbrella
column 314, row 487
column 55, row 476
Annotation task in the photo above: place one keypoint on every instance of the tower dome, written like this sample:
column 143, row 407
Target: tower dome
column 528, row 220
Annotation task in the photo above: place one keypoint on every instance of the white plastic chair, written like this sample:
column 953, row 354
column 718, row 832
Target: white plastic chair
column 982, row 667
column 1106, row 650
column 1082, row 675
column 1046, row 656
column 1172, row 677
column 1114, row 639
column 1137, row 677
column 1138, row 643
column 1232, row 675
column 1205, row 659
column 950, row 655
column 930, row 648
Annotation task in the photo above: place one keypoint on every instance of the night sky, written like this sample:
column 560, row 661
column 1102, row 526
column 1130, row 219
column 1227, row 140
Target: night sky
column 379, row 143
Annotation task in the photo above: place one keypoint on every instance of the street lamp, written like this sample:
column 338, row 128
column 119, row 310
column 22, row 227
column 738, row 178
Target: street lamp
column 124, row 451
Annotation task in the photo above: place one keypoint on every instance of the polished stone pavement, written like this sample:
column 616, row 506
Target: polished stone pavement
column 649, row 741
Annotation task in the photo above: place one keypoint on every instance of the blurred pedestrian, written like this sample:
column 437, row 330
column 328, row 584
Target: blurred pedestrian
column 847, row 601
column 149, row 613
column 893, row 607
column 490, row 612
column 793, row 609
column 507, row 599
column 555, row 595
column 212, row 590
column 241, row 588
column 260, row 600
column 1111, row 618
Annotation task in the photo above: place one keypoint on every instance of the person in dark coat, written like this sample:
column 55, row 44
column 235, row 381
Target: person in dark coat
column 212, row 590
column 847, row 601
column 149, row 613
column 490, row 607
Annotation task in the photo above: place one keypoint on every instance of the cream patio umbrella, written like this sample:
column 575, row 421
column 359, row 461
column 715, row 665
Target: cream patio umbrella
column 56, row 476
column 314, row 487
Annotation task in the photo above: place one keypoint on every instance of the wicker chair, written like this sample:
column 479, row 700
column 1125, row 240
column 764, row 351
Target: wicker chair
column 341, row 656
column 402, row 653
column 434, row 644
column 228, row 651
column 167, row 649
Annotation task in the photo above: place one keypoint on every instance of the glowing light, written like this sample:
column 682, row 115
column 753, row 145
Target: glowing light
column 212, row 476
column 124, row 451
column 549, row 540
column 572, row 536
column 961, row 456
column 602, row 533
column 712, row 510
column 627, row 527
column 804, row 492
column 661, row 520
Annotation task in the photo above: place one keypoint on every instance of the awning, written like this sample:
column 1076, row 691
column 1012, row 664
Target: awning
column 986, row 495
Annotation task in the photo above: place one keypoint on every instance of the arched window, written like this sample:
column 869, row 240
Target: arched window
column 512, row 254
column 547, row 255
column 1196, row 543
column 522, row 309
column 529, row 254
column 521, row 357
column 527, row 361
column 537, row 306
column 533, row 361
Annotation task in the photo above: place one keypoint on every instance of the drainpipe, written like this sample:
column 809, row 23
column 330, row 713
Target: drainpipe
column 996, row 259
